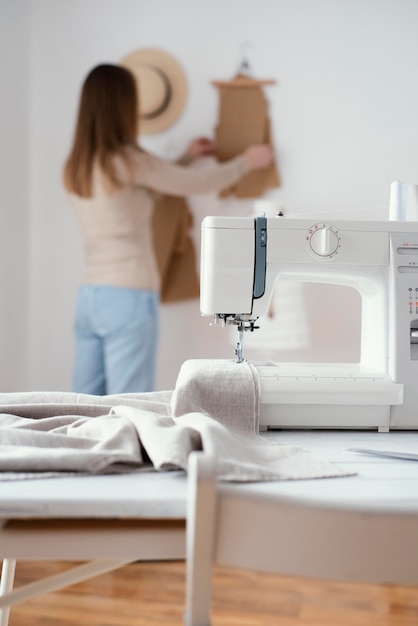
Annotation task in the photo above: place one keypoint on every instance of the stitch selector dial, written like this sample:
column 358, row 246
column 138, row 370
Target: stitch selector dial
column 324, row 240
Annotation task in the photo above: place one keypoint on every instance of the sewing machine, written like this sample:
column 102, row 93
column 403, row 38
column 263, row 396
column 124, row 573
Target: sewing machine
column 241, row 259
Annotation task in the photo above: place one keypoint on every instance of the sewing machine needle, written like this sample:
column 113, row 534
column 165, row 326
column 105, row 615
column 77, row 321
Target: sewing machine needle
column 239, row 347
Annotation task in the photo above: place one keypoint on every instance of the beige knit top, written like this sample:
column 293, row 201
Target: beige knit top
column 116, row 228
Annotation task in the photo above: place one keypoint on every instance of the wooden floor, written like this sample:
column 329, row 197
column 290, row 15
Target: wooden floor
column 146, row 594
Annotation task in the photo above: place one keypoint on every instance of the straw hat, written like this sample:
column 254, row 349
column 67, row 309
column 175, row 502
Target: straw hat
column 162, row 88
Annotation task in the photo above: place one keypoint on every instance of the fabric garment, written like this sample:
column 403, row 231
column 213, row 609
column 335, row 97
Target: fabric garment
column 116, row 332
column 214, row 407
column 244, row 121
column 174, row 249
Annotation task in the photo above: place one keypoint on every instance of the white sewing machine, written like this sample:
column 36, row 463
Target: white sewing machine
column 241, row 259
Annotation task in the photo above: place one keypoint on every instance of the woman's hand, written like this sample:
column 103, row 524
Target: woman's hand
column 259, row 157
column 201, row 146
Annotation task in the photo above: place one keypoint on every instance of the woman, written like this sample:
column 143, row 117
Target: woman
column 111, row 182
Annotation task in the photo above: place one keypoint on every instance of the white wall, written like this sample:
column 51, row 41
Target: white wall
column 14, row 185
column 344, row 115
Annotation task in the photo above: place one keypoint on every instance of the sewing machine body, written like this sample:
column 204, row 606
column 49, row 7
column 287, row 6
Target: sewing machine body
column 241, row 260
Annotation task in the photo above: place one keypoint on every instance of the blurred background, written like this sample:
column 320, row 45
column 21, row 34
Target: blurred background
column 344, row 114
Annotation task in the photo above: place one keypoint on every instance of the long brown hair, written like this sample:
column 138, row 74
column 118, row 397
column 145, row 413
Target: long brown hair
column 107, row 122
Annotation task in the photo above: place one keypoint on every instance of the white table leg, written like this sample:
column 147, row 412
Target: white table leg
column 201, row 518
column 6, row 585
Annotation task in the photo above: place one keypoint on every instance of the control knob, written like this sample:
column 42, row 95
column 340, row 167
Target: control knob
column 324, row 240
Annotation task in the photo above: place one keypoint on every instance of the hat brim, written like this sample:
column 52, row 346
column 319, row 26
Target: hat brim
column 173, row 81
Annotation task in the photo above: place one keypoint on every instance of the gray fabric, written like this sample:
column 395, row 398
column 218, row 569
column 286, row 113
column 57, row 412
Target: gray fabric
column 214, row 407
column 226, row 391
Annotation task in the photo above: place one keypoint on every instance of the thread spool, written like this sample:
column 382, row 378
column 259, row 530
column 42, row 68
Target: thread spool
column 403, row 205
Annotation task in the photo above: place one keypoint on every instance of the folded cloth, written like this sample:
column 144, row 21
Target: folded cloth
column 215, row 408
column 220, row 399
column 227, row 391
column 46, row 432
column 39, row 404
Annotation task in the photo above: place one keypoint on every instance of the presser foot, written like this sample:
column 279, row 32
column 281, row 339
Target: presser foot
column 242, row 325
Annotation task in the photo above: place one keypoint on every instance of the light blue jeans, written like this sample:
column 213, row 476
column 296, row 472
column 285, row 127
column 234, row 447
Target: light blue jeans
column 116, row 333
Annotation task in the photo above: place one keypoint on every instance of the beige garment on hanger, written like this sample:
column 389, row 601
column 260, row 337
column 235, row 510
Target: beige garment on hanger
column 174, row 249
column 243, row 122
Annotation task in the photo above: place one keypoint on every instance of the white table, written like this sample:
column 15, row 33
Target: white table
column 380, row 483
column 361, row 528
column 123, row 518
column 109, row 521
